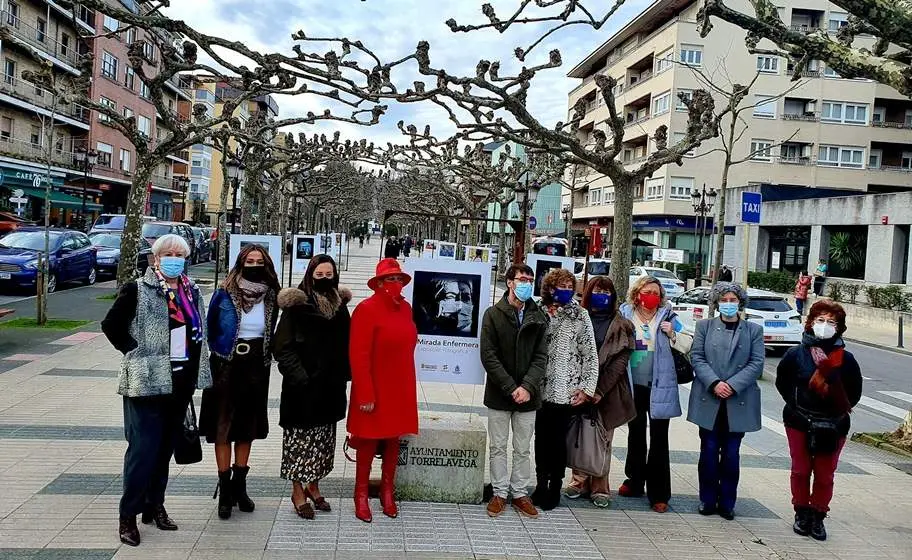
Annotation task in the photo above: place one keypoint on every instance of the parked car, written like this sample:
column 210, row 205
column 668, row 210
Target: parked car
column 597, row 267
column 782, row 326
column 10, row 222
column 153, row 230
column 115, row 222
column 673, row 285
column 108, row 245
column 72, row 258
column 203, row 243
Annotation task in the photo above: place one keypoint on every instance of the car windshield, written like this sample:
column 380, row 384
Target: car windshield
column 599, row 268
column 660, row 273
column 110, row 240
column 31, row 240
column 110, row 222
column 155, row 230
column 773, row 304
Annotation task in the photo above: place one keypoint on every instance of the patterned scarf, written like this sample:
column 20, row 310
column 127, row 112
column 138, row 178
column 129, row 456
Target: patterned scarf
column 250, row 293
column 826, row 381
column 181, row 306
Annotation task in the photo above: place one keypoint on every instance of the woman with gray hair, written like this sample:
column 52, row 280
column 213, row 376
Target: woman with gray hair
column 158, row 322
column 727, row 357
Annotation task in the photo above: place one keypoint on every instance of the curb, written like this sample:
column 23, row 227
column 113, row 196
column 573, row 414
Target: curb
column 872, row 441
column 893, row 349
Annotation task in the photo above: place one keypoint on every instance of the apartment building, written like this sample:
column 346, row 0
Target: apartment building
column 201, row 168
column 28, row 112
column 852, row 135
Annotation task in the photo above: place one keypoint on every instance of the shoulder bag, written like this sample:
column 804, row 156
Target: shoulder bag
column 188, row 449
column 587, row 444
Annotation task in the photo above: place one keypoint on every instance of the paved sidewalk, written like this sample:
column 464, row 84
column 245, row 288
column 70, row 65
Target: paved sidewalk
column 61, row 432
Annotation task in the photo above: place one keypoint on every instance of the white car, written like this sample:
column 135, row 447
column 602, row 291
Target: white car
column 672, row 284
column 597, row 267
column 782, row 326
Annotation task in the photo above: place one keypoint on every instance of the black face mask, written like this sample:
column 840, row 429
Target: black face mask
column 324, row 285
column 254, row 273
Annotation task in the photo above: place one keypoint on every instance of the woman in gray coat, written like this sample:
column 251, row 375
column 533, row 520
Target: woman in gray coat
column 727, row 357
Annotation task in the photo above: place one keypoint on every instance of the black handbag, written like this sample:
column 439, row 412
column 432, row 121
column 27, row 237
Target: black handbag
column 683, row 367
column 188, row 449
column 823, row 436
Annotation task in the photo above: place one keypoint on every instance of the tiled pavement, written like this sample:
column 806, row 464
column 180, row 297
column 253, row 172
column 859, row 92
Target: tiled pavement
column 62, row 448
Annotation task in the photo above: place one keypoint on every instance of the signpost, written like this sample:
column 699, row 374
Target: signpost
column 751, row 204
column 19, row 199
column 533, row 223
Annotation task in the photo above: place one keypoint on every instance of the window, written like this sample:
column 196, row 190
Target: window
column 768, row 64
column 124, row 160
column 837, row 21
column 12, row 14
column 676, row 138
column 595, row 197
column 109, row 65
column 107, row 103
column 765, row 106
column 661, row 103
column 105, row 152
column 760, row 150
column 6, row 129
column 908, row 121
column 840, row 156
column 149, row 51
column 41, row 30
column 848, row 113
column 35, row 136
column 879, row 115
column 144, row 90
column 692, row 55
column 127, row 112
column 655, row 188
column 829, row 72
column 131, row 35
column 906, row 161
column 609, row 196
column 680, row 188
column 110, row 24
column 129, row 78
column 144, row 125
column 685, row 93
column 874, row 158
column 65, row 44
column 9, row 71
column 664, row 61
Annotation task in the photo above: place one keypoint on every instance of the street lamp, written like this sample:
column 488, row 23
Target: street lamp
column 84, row 160
column 233, row 167
column 525, row 198
column 565, row 214
column 183, row 185
column 702, row 202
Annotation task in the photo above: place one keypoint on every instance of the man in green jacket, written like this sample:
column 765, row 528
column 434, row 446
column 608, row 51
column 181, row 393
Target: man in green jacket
column 514, row 353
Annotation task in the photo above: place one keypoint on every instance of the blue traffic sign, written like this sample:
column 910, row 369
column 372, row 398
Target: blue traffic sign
column 751, row 202
column 533, row 223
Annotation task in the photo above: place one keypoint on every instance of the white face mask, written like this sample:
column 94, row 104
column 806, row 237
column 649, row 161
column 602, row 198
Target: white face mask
column 824, row 331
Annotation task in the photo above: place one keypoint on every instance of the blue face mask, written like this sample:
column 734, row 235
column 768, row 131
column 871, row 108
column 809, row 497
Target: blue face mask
column 600, row 302
column 562, row 296
column 522, row 291
column 728, row 309
column 171, row 267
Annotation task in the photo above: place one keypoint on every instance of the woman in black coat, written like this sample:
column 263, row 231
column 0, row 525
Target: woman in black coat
column 311, row 347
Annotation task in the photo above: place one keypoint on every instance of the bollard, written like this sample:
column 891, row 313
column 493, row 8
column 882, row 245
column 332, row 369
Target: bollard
column 900, row 341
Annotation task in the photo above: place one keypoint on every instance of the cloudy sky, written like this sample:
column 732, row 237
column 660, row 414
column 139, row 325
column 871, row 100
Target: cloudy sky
column 392, row 28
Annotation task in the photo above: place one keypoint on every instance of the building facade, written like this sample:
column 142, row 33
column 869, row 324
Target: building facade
column 823, row 132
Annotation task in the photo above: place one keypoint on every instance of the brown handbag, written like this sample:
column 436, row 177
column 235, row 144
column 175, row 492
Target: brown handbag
column 587, row 444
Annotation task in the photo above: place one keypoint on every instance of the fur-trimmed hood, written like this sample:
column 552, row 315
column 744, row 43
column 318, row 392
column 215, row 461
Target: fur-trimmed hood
column 291, row 297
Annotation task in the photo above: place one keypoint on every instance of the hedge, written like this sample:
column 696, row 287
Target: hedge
column 781, row 282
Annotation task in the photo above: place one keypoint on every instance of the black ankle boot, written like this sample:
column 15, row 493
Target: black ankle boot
column 539, row 496
column 239, row 489
column 802, row 524
column 226, row 500
column 159, row 515
column 129, row 532
column 553, row 495
column 818, row 531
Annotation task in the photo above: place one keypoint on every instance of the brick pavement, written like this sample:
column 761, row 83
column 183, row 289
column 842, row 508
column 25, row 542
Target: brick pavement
column 62, row 441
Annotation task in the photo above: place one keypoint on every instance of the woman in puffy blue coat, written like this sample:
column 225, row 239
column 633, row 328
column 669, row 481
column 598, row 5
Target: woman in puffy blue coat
column 242, row 318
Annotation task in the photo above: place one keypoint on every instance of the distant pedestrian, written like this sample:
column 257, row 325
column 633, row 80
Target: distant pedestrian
column 569, row 382
column 368, row 238
column 407, row 244
column 159, row 324
column 361, row 240
column 242, row 318
column 514, row 353
column 726, row 275
column 391, row 250
column 311, row 347
column 820, row 382
column 820, row 275
column 801, row 291
column 613, row 399
column 727, row 357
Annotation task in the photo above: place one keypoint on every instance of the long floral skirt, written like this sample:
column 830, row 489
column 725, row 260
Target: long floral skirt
column 308, row 453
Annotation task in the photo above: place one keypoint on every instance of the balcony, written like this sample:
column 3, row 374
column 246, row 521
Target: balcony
column 85, row 17
column 34, row 152
column 807, row 116
column 65, row 55
column 177, row 85
column 806, row 21
column 162, row 181
column 885, row 124
column 804, row 28
column 30, row 94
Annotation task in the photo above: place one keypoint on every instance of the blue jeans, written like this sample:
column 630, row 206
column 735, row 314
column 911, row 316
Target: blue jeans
column 719, row 468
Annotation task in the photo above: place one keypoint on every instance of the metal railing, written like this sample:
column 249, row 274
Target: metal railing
column 29, row 92
column 40, row 40
column 884, row 124
column 35, row 152
column 808, row 117
column 804, row 28
column 162, row 181
column 893, row 168
column 800, row 160
column 638, row 121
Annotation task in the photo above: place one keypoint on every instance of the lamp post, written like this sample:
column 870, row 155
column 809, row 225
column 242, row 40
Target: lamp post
column 183, row 184
column 234, row 167
column 84, row 160
column 525, row 198
column 565, row 214
column 702, row 202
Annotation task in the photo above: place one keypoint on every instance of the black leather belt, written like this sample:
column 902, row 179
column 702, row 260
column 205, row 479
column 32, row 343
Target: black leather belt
column 243, row 346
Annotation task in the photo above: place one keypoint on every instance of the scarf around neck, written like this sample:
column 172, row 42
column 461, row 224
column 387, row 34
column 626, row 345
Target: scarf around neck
column 181, row 306
column 250, row 293
column 826, row 380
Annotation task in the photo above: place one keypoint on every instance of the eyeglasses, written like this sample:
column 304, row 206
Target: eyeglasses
column 829, row 322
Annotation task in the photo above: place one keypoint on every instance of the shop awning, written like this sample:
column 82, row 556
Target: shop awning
column 61, row 200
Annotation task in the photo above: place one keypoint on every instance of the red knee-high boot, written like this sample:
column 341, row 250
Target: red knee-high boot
column 365, row 456
column 388, row 478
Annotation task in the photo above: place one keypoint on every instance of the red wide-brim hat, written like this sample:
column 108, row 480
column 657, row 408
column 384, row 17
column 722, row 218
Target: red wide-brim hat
column 385, row 268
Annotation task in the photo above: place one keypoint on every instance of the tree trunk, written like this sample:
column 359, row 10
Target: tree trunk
column 720, row 227
column 227, row 188
column 250, row 193
column 264, row 214
column 622, row 242
column 136, row 207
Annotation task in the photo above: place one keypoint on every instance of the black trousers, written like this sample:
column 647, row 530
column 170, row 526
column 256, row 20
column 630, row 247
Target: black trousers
column 151, row 426
column 551, row 425
column 652, row 469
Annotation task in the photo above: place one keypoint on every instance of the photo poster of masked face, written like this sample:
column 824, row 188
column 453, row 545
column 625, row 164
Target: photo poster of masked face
column 446, row 251
column 340, row 240
column 542, row 264
column 326, row 245
column 477, row 254
column 303, row 250
column 448, row 299
column 272, row 243
column 429, row 249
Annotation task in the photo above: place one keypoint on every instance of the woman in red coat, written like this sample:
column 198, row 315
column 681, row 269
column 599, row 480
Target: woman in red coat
column 384, row 399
